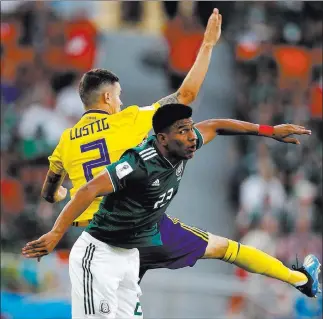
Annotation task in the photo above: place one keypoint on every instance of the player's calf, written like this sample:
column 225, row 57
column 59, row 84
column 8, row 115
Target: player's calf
column 256, row 261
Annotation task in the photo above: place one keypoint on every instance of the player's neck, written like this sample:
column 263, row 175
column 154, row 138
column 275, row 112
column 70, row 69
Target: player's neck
column 164, row 152
column 95, row 108
column 100, row 108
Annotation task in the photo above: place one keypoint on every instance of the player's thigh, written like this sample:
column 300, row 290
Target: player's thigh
column 95, row 274
column 183, row 245
column 129, row 291
column 129, row 306
column 216, row 247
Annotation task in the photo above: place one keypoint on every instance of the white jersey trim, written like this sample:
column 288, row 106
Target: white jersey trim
column 149, row 157
column 114, row 189
column 146, row 150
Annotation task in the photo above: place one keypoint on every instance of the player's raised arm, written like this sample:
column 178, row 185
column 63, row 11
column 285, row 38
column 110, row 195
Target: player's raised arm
column 210, row 128
column 191, row 85
column 99, row 186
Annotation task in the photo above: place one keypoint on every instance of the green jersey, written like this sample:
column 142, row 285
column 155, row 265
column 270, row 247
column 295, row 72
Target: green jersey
column 145, row 183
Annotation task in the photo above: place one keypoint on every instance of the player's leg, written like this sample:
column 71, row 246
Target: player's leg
column 256, row 261
column 95, row 273
column 129, row 305
column 183, row 246
column 129, row 292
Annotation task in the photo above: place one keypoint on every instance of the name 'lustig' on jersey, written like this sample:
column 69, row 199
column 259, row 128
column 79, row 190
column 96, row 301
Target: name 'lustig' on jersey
column 94, row 127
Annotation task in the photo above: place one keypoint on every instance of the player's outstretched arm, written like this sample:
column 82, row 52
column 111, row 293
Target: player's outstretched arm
column 99, row 186
column 52, row 190
column 210, row 128
column 192, row 83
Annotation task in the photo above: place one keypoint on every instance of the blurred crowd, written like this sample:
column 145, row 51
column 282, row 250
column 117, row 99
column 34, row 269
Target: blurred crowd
column 274, row 188
column 277, row 188
column 44, row 50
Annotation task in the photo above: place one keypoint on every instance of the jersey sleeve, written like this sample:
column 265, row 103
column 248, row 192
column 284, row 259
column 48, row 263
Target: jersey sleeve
column 126, row 171
column 144, row 120
column 200, row 140
column 55, row 160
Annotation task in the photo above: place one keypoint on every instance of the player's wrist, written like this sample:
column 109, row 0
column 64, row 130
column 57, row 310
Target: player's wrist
column 57, row 233
column 266, row 130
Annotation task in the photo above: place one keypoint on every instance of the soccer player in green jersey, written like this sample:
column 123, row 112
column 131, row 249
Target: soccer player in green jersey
column 137, row 189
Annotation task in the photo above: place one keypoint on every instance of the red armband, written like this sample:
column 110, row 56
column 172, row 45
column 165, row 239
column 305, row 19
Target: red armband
column 266, row 130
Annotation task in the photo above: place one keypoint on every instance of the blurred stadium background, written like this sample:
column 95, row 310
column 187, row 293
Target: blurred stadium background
column 266, row 69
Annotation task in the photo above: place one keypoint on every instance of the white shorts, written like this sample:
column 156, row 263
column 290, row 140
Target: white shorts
column 104, row 280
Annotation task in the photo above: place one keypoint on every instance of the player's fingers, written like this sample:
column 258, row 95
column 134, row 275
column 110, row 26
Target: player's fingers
column 35, row 242
column 302, row 131
column 35, row 249
column 37, row 254
column 214, row 16
column 35, row 246
column 291, row 140
column 298, row 129
column 62, row 190
column 220, row 20
column 212, row 22
column 209, row 24
column 28, row 253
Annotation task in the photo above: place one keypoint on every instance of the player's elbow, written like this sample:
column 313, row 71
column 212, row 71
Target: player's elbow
column 187, row 96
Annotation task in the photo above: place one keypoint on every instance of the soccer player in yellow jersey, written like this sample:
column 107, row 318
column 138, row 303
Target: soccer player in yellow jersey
column 105, row 132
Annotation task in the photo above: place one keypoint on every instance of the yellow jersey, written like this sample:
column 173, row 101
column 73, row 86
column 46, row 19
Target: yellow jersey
column 97, row 140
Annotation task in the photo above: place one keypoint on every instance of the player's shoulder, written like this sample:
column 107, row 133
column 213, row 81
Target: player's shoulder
column 65, row 136
column 145, row 147
column 142, row 152
column 126, row 116
column 133, row 110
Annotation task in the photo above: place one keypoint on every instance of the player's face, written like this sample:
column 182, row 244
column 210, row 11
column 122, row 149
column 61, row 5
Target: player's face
column 112, row 98
column 181, row 140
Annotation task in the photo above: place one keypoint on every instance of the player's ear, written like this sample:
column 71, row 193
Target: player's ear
column 106, row 97
column 162, row 138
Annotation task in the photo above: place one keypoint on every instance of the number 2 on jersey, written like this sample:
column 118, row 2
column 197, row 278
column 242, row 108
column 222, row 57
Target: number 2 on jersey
column 104, row 159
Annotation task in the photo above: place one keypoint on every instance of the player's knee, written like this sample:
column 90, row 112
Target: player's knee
column 217, row 247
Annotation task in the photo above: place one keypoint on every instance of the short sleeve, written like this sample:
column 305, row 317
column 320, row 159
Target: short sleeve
column 144, row 120
column 55, row 160
column 200, row 140
column 126, row 171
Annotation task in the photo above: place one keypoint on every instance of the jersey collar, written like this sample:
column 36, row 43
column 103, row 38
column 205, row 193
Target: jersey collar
column 95, row 111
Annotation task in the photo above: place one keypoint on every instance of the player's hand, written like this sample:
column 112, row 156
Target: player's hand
column 213, row 29
column 42, row 246
column 283, row 132
column 60, row 194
